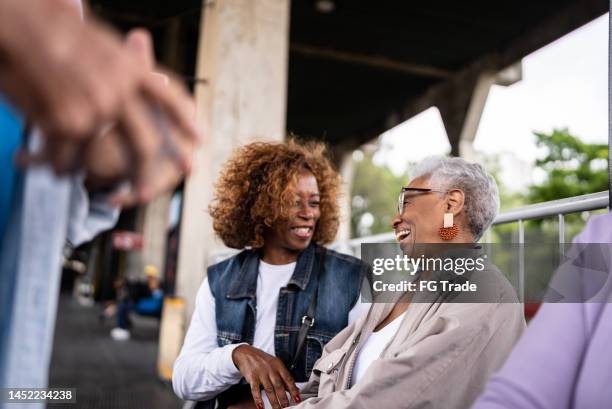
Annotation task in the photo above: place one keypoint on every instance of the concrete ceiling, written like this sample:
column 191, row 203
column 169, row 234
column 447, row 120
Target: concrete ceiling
column 367, row 65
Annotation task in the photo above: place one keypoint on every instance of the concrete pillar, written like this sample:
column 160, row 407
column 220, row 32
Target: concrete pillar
column 154, row 226
column 474, row 114
column 133, row 259
column 242, row 55
column 154, row 232
column 461, row 107
column 243, row 52
column 347, row 171
column 173, row 47
column 154, row 217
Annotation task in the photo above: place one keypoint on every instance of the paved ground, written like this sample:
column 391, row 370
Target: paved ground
column 106, row 373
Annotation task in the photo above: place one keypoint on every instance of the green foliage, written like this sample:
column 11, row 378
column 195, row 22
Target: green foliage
column 572, row 167
column 505, row 233
column 375, row 191
column 507, row 198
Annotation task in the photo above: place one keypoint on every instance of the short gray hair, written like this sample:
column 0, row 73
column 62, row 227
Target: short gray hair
column 481, row 194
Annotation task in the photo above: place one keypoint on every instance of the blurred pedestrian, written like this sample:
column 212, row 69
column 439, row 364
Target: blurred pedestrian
column 146, row 301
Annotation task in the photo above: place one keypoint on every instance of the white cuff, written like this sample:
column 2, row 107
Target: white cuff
column 227, row 363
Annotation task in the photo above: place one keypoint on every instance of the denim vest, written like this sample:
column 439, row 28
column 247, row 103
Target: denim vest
column 233, row 284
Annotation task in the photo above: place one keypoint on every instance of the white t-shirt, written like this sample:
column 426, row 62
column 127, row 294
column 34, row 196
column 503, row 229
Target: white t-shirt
column 270, row 280
column 373, row 347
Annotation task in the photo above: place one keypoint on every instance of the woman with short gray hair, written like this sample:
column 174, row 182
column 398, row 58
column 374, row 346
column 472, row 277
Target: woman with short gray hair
column 437, row 351
column 481, row 194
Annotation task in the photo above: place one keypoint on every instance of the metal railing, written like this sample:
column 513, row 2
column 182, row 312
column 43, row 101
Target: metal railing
column 559, row 208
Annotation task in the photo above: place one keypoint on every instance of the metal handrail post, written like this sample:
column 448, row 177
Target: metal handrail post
column 561, row 237
column 521, row 283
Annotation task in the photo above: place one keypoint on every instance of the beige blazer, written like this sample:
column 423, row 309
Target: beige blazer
column 441, row 356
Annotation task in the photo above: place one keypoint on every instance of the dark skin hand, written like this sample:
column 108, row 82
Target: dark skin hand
column 262, row 370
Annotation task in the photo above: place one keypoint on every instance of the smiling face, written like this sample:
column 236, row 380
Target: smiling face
column 422, row 215
column 287, row 238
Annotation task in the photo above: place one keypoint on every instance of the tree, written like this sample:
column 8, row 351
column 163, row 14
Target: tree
column 373, row 197
column 572, row 167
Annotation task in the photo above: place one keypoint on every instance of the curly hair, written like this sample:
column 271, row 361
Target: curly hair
column 256, row 189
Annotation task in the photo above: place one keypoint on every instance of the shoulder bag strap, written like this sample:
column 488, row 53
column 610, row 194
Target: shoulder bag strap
column 308, row 320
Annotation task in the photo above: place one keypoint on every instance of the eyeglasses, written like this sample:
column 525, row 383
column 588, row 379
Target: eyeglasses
column 418, row 190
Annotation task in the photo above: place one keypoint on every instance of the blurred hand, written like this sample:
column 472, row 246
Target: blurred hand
column 262, row 370
column 73, row 79
column 107, row 159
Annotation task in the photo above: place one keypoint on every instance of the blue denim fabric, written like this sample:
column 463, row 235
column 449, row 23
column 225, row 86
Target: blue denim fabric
column 10, row 251
column 11, row 187
column 11, row 127
column 48, row 210
column 233, row 284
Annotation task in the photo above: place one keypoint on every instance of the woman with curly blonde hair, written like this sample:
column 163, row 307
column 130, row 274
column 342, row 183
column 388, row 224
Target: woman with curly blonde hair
column 263, row 316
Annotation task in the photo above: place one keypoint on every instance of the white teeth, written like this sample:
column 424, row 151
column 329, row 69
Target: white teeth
column 302, row 230
column 402, row 234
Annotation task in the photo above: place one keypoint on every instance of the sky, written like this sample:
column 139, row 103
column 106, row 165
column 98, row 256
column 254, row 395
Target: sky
column 565, row 84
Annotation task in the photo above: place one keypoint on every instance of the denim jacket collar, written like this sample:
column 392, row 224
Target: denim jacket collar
column 303, row 268
column 245, row 283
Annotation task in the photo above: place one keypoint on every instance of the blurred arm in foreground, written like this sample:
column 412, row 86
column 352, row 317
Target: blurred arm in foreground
column 100, row 116
column 76, row 80
column 563, row 360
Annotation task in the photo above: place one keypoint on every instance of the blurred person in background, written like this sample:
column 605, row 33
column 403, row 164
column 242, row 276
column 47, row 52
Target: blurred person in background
column 82, row 107
column 433, row 352
column 142, row 299
column 263, row 315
